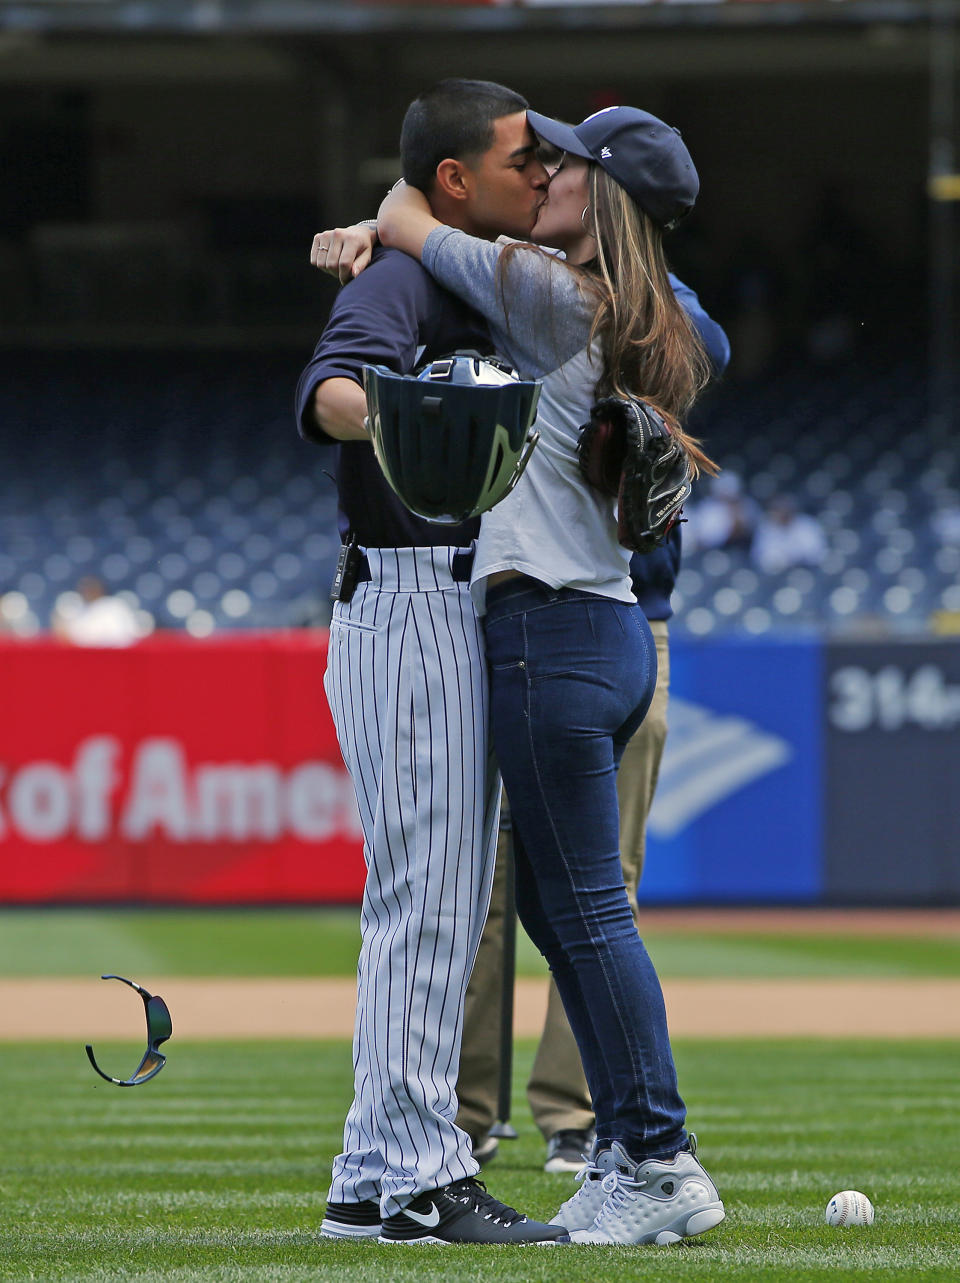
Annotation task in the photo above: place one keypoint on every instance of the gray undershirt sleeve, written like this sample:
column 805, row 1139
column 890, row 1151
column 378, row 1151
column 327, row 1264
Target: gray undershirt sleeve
column 538, row 316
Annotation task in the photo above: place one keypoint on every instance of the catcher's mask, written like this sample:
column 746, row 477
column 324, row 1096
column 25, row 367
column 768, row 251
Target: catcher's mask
column 454, row 438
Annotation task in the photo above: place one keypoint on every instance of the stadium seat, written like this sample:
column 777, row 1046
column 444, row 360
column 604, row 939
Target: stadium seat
column 183, row 473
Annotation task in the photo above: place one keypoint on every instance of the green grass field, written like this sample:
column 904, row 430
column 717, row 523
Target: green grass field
column 324, row 942
column 217, row 1169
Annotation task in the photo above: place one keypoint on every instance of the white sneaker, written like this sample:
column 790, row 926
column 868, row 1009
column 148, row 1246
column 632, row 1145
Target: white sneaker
column 654, row 1201
column 580, row 1211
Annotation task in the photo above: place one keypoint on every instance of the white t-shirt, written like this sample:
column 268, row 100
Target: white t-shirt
column 107, row 621
column 553, row 526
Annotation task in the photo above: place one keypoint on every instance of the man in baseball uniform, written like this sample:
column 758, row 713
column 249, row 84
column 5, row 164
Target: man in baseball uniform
column 407, row 688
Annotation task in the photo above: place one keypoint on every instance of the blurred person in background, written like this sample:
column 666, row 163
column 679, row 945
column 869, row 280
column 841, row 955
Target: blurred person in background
column 92, row 617
column 787, row 537
column 945, row 520
column 725, row 517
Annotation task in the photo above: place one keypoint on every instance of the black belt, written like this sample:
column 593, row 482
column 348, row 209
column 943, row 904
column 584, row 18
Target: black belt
column 461, row 569
column 512, row 586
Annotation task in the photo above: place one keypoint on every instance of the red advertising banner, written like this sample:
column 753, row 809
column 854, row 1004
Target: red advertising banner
column 177, row 771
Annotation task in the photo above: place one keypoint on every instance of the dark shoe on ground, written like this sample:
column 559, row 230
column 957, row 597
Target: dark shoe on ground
column 351, row 1220
column 567, row 1151
column 486, row 1149
column 464, row 1212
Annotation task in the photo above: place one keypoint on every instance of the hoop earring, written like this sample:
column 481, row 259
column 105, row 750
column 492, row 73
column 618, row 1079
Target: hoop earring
column 584, row 213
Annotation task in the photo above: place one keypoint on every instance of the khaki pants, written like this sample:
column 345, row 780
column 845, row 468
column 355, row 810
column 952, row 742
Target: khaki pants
column 557, row 1090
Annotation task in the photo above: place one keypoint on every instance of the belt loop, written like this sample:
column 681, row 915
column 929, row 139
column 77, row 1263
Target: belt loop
column 461, row 566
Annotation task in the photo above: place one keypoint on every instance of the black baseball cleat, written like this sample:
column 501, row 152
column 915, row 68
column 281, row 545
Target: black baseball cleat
column 464, row 1212
column 351, row 1220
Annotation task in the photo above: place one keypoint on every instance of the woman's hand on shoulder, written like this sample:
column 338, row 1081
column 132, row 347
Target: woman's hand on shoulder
column 344, row 252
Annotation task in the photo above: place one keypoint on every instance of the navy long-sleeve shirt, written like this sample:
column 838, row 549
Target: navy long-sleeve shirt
column 393, row 314
column 654, row 573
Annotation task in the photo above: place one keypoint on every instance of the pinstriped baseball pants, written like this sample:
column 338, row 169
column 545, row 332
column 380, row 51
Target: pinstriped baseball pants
column 407, row 686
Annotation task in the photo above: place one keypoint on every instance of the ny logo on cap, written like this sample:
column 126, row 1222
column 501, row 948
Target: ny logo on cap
column 605, row 153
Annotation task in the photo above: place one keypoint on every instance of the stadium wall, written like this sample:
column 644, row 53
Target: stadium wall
column 191, row 772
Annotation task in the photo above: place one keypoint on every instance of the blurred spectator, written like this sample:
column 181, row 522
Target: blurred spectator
column 725, row 518
column 786, row 537
column 90, row 617
column 16, row 617
column 945, row 523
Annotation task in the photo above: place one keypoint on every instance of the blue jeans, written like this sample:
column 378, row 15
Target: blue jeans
column 571, row 677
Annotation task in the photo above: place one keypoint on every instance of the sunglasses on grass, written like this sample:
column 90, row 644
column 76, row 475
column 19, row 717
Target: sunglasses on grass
column 159, row 1029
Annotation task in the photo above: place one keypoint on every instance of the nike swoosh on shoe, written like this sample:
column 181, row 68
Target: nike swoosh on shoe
column 427, row 1219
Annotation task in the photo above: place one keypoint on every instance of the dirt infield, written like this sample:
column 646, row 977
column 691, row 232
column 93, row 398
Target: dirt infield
column 324, row 1008
column 303, row 1008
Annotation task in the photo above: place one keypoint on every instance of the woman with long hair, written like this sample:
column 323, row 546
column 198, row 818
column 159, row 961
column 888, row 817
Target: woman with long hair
column 571, row 658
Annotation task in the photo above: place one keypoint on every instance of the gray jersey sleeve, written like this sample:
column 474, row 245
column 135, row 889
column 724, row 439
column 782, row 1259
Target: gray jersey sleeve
column 538, row 316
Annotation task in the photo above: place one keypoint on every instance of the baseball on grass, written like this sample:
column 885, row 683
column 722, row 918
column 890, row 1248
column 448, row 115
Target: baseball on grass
column 849, row 1207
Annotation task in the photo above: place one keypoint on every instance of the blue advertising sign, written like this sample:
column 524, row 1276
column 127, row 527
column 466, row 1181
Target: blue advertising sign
column 892, row 810
column 738, row 813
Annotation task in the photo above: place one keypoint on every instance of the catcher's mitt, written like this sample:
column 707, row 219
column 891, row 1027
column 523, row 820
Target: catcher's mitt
column 628, row 452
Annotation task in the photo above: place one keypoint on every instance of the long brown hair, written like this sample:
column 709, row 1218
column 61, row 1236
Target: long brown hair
column 650, row 348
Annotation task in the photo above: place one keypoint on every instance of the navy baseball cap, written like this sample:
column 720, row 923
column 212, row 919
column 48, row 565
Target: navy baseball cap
column 646, row 157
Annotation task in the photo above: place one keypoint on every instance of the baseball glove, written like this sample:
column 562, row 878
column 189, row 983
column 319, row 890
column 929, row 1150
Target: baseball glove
column 628, row 452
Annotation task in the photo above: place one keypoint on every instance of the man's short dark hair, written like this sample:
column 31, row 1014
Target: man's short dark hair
column 453, row 120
